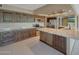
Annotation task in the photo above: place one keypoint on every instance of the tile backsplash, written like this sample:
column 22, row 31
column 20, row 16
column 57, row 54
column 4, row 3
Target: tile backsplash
column 11, row 25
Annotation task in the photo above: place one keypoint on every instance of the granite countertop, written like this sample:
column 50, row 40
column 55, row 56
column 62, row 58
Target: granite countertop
column 62, row 32
column 14, row 28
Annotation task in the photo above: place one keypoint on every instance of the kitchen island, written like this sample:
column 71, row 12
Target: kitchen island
column 61, row 39
column 12, row 35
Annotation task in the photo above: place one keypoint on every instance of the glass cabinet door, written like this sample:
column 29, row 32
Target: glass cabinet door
column 1, row 16
column 7, row 17
column 17, row 17
column 30, row 18
column 25, row 18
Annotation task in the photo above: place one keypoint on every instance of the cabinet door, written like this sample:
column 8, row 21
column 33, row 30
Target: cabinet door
column 46, row 37
column 0, row 38
column 19, row 35
column 1, row 16
column 30, row 18
column 32, row 32
column 43, row 36
column 17, row 17
column 8, row 38
column 59, row 43
column 14, row 17
column 26, row 33
column 24, row 18
column 7, row 17
column 37, row 33
column 49, row 38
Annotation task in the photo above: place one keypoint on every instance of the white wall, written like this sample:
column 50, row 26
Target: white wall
column 76, row 8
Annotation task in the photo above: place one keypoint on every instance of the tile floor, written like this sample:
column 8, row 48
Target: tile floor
column 31, row 46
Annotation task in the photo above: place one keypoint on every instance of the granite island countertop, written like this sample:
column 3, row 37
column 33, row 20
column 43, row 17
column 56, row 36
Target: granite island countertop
column 62, row 32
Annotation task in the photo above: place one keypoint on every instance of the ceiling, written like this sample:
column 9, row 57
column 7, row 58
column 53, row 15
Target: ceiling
column 31, row 7
column 46, row 9
column 54, row 8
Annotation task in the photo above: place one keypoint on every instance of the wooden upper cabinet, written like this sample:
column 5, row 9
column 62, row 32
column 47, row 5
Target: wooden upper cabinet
column 9, row 16
column 1, row 16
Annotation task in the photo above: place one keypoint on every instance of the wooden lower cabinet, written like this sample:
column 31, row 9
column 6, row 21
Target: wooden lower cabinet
column 59, row 43
column 43, row 36
column 49, row 39
column 32, row 32
column 9, row 37
column 24, row 34
column 46, row 37
column 38, row 33
column 55, row 41
column 19, row 35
